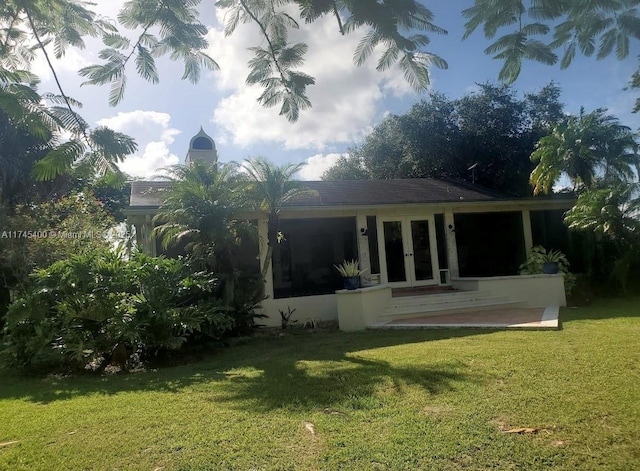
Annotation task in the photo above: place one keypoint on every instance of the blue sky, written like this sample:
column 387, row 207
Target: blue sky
column 347, row 101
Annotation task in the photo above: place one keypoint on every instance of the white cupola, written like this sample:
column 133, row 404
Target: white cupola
column 202, row 148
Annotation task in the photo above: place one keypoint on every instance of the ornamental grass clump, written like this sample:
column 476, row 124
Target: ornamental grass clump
column 350, row 269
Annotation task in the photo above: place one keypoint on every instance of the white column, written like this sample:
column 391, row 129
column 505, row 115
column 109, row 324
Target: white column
column 363, row 244
column 147, row 234
column 526, row 230
column 452, row 247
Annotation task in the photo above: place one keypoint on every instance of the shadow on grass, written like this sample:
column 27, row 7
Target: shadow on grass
column 603, row 308
column 305, row 371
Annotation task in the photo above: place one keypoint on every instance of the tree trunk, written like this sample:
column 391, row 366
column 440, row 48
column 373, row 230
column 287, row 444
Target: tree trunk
column 272, row 239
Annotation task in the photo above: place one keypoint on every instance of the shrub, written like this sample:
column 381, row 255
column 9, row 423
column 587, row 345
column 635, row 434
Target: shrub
column 96, row 308
column 35, row 236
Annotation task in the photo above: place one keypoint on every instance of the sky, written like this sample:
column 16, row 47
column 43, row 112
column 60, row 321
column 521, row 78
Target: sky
column 348, row 101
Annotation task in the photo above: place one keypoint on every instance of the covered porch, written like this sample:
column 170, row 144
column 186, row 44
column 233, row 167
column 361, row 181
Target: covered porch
column 407, row 234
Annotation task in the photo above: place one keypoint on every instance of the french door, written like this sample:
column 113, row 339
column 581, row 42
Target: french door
column 408, row 251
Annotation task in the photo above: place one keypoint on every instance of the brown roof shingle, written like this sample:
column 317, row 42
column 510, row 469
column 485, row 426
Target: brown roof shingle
column 146, row 194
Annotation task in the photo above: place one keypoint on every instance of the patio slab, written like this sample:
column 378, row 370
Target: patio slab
column 508, row 318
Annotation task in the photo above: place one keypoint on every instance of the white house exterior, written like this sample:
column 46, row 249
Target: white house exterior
column 405, row 233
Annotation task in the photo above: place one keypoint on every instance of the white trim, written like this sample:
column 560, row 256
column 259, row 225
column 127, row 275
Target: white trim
column 408, row 249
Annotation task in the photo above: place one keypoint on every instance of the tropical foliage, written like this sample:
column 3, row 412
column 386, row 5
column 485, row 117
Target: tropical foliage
column 34, row 236
column 443, row 138
column 199, row 213
column 585, row 148
column 27, row 28
column 398, row 31
column 612, row 212
column 98, row 308
column 399, row 28
column 537, row 28
column 268, row 188
column 600, row 158
column 533, row 31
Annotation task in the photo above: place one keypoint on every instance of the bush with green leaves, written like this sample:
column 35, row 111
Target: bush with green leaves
column 34, row 236
column 84, row 310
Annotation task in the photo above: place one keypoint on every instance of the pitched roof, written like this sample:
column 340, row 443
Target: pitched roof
column 382, row 192
column 147, row 194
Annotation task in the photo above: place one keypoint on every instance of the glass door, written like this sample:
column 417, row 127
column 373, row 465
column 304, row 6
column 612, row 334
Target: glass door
column 408, row 251
column 421, row 248
column 394, row 252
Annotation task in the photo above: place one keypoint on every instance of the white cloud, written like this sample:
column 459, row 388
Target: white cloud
column 317, row 165
column 345, row 98
column 153, row 134
column 70, row 63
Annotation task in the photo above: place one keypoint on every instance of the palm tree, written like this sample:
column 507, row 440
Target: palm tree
column 199, row 211
column 269, row 188
column 584, row 147
column 613, row 211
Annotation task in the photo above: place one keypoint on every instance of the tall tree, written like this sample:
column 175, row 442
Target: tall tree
column 269, row 188
column 583, row 147
column 611, row 209
column 19, row 150
column 492, row 129
column 199, row 212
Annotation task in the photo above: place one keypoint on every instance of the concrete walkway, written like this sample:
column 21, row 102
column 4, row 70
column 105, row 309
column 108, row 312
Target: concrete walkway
column 508, row 318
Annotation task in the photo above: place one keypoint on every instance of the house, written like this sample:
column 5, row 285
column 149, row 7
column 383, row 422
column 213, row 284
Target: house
column 408, row 234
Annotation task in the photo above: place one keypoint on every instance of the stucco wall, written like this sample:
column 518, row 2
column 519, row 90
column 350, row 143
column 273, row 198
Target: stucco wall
column 360, row 308
column 324, row 308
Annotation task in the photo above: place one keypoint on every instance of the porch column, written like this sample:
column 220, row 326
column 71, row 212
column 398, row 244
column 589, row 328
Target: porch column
column 262, row 250
column 452, row 247
column 526, row 230
column 363, row 244
column 144, row 226
column 149, row 240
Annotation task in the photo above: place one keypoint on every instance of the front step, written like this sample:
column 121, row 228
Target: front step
column 437, row 304
column 516, row 319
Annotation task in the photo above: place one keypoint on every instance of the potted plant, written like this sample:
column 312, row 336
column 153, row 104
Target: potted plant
column 551, row 261
column 350, row 271
column 541, row 261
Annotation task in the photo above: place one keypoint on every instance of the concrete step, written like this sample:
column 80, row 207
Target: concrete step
column 445, row 303
column 435, row 299
column 499, row 318
column 452, row 308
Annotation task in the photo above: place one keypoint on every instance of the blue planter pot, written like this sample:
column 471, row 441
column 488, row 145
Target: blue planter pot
column 353, row 282
column 550, row 268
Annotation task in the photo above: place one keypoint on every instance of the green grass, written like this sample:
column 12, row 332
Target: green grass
column 378, row 400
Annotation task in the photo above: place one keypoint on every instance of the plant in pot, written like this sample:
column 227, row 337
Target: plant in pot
column 351, row 272
column 551, row 262
column 542, row 261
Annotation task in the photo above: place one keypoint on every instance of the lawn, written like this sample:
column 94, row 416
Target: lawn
column 442, row 399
